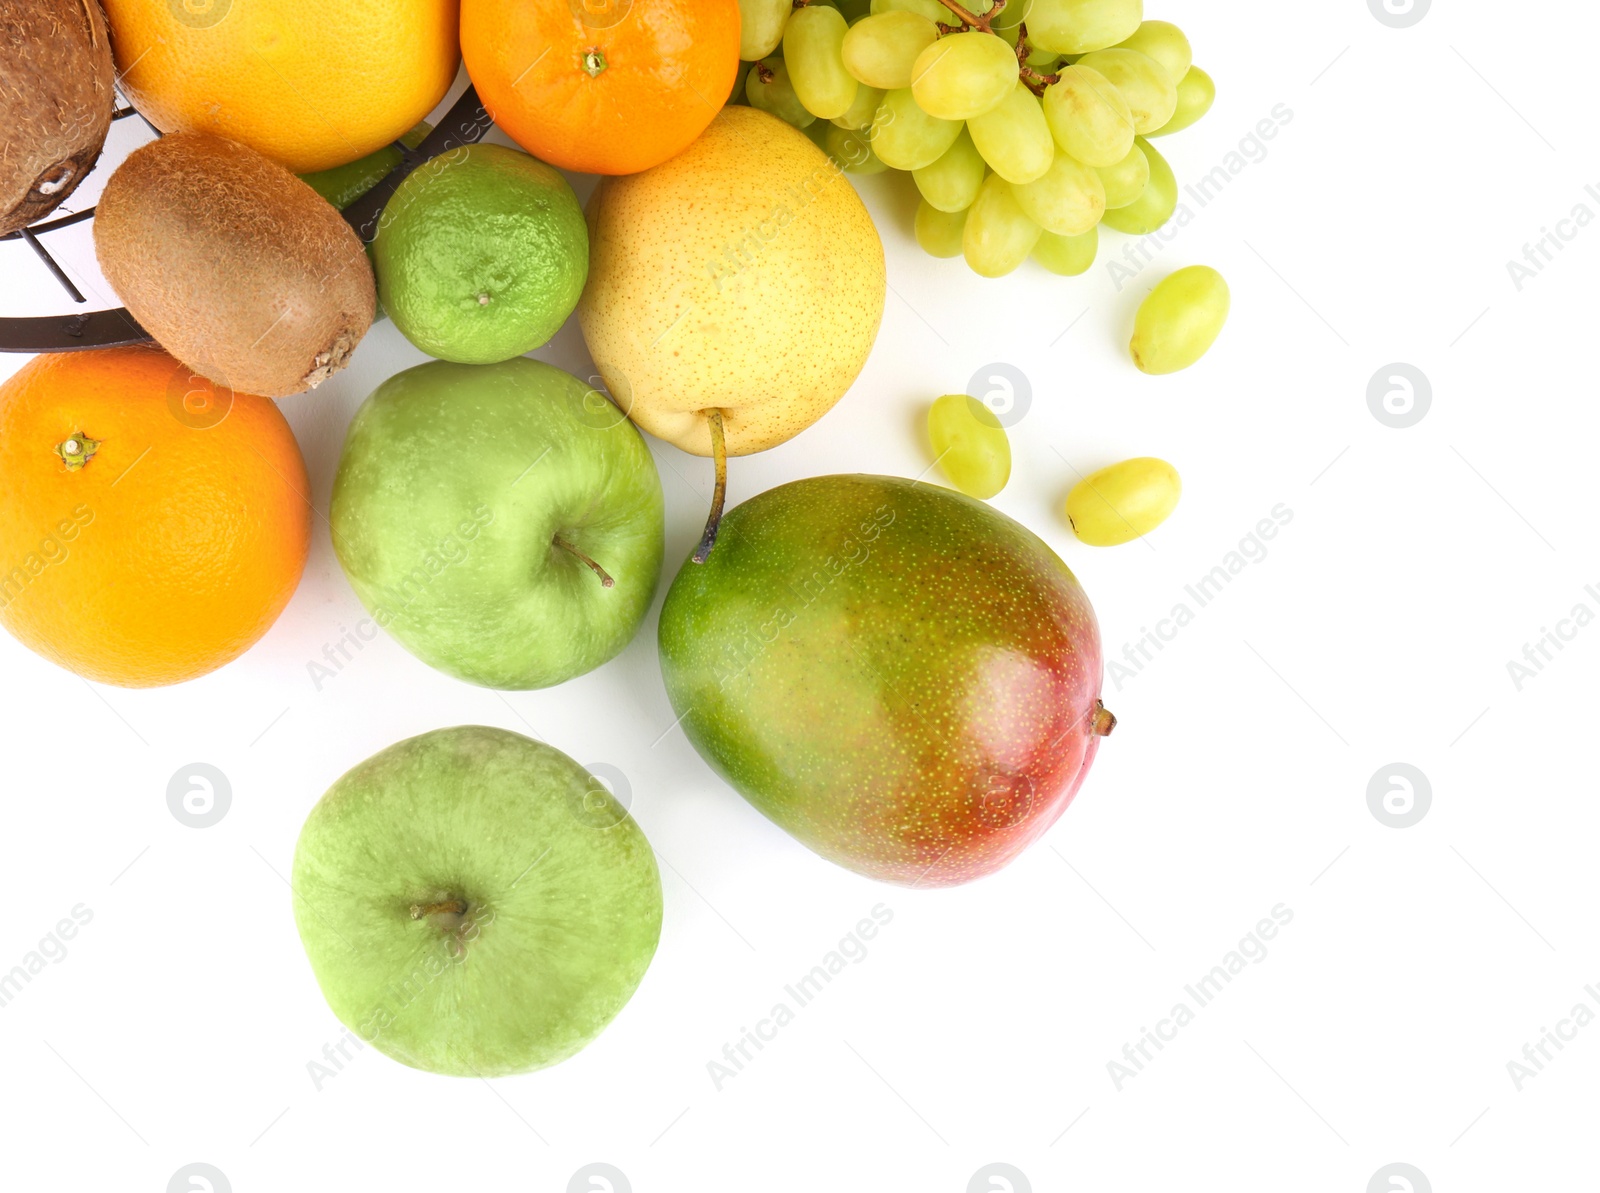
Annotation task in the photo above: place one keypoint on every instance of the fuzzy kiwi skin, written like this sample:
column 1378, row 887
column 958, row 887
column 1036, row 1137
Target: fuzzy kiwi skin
column 234, row 265
column 56, row 100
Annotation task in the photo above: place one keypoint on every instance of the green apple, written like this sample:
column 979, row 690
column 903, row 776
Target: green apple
column 475, row 903
column 503, row 522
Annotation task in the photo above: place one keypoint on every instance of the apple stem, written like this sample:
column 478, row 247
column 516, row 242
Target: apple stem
column 719, row 455
column 1104, row 721
column 448, row 907
column 605, row 577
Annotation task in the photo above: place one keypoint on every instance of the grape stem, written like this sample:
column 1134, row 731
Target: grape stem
column 719, row 455
column 968, row 18
column 1031, row 79
column 764, row 72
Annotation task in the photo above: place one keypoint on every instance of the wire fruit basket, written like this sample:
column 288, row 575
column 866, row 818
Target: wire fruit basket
column 464, row 124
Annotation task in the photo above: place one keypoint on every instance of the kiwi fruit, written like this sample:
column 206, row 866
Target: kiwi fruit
column 56, row 100
column 234, row 265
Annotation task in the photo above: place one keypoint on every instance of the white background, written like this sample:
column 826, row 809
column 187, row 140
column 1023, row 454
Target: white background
column 979, row 1026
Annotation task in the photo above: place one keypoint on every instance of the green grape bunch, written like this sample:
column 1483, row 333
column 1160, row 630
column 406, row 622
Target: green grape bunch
column 1024, row 124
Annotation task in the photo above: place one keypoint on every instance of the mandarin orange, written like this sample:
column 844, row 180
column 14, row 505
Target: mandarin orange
column 601, row 86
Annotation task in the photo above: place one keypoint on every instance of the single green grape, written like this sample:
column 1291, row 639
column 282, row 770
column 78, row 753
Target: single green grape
column 1155, row 203
column 1165, row 42
column 1068, row 200
column 1180, row 319
column 860, row 113
column 999, row 235
column 1043, row 61
column 932, row 9
column 1012, row 15
column 1014, row 137
column 1123, row 502
column 881, row 50
column 761, row 25
column 939, row 232
column 1196, row 94
column 969, row 445
column 776, row 93
column 905, row 136
column 1079, row 26
column 811, row 48
column 1088, row 117
column 964, row 75
column 852, row 149
column 1067, row 255
column 740, row 79
column 1152, row 93
column 1125, row 181
column 952, row 182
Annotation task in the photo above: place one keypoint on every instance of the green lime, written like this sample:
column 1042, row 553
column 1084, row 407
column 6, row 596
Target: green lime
column 343, row 185
column 481, row 254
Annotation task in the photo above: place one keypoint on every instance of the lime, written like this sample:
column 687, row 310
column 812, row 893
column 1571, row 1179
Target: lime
column 481, row 254
column 343, row 185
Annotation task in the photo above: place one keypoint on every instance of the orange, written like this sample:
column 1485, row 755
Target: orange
column 152, row 526
column 601, row 86
column 308, row 83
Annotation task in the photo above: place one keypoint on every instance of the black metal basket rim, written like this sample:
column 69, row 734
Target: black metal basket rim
column 465, row 123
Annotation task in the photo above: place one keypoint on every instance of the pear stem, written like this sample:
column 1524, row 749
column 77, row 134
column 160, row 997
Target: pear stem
column 605, row 577
column 448, row 907
column 719, row 456
column 1104, row 721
